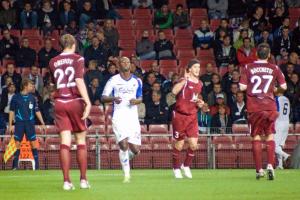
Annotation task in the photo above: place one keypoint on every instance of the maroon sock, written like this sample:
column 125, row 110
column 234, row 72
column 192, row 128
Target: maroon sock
column 65, row 161
column 82, row 160
column 189, row 157
column 176, row 158
column 257, row 154
column 271, row 152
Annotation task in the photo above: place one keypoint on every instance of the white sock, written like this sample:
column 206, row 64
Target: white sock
column 124, row 160
column 281, row 153
column 279, row 159
column 130, row 154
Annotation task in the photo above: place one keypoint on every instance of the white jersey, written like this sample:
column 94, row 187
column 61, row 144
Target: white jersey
column 283, row 107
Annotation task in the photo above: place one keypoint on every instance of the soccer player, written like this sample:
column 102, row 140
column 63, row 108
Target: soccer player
column 125, row 91
column 184, row 122
column 281, row 127
column 72, row 107
column 23, row 108
column 259, row 79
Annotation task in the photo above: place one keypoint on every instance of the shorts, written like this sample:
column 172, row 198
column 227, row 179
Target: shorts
column 27, row 128
column 184, row 126
column 127, row 129
column 68, row 115
column 282, row 131
column 262, row 122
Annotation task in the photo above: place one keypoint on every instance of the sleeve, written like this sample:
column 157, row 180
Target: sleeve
column 13, row 103
column 244, row 76
column 79, row 68
column 108, row 89
column 139, row 91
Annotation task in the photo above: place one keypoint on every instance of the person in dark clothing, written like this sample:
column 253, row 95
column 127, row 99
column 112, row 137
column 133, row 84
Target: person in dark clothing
column 258, row 22
column 282, row 45
column 156, row 110
column 225, row 53
column 163, row 47
column 231, row 97
column 86, row 15
column 155, row 69
column 28, row 17
column 203, row 37
column 66, row 15
column 108, row 73
column 6, row 98
column 10, row 72
column 147, row 98
column 48, row 109
column 148, row 83
column 46, row 53
column 26, row 56
column 234, row 79
column 296, row 38
column 238, row 111
column 95, row 92
column 221, row 122
column 9, row 45
column 47, row 19
column 93, row 72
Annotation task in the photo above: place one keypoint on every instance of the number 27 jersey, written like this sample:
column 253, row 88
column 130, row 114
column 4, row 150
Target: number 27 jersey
column 261, row 78
column 65, row 68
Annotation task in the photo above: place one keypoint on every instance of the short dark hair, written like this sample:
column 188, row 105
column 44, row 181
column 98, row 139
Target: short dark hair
column 263, row 51
column 246, row 38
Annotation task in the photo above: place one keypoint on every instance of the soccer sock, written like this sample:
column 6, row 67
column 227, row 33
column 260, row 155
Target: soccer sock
column 124, row 159
column 271, row 152
column 16, row 159
column 279, row 151
column 65, row 161
column 36, row 158
column 82, row 160
column 131, row 154
column 257, row 154
column 189, row 157
column 176, row 158
column 279, row 159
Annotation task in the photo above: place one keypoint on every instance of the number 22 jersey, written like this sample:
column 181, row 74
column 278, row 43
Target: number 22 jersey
column 65, row 68
column 261, row 78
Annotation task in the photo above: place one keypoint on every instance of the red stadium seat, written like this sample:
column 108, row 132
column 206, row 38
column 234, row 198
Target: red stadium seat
column 127, row 44
column 166, row 71
column 146, row 64
column 240, row 129
column 291, row 129
column 205, row 53
column 162, row 155
column 214, row 24
column 184, row 44
column 97, row 110
column 97, row 120
column 158, row 129
column 127, row 53
column 125, row 13
column 183, row 34
column 144, row 129
column 31, row 33
column 125, row 24
column 15, row 33
column 25, row 71
column 109, row 129
column 244, row 151
column 114, row 156
column 52, row 147
column 186, row 53
column 142, row 14
column 143, row 24
column 226, row 154
column 96, row 129
column 144, row 160
column 297, row 128
column 167, row 63
column 51, row 130
column 172, row 4
column 294, row 12
column 159, row 140
column 195, row 12
column 126, row 34
column 290, row 143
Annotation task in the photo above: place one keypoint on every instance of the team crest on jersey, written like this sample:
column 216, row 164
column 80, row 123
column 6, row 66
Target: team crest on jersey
column 30, row 105
column 194, row 97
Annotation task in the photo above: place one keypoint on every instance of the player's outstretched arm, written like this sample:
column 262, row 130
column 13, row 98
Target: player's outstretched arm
column 178, row 86
column 83, row 92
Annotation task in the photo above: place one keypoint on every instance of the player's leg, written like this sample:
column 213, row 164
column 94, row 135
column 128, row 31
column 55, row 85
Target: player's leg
column 124, row 158
column 278, row 147
column 257, row 155
column 31, row 136
column 133, row 150
column 177, row 148
column 134, row 140
column 18, row 135
column 192, row 147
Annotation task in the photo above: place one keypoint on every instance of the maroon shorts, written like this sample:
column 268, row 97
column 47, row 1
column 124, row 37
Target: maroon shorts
column 262, row 123
column 68, row 115
column 184, row 126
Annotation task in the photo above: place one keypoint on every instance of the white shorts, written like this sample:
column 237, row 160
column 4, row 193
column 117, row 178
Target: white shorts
column 282, row 131
column 130, row 129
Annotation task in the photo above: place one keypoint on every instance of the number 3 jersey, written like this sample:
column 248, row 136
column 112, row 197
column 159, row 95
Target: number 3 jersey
column 65, row 68
column 261, row 78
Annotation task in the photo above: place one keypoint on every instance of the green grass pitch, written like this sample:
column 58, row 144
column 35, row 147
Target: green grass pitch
column 151, row 184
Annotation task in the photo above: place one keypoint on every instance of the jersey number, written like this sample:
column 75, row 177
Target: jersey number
column 285, row 108
column 59, row 74
column 257, row 82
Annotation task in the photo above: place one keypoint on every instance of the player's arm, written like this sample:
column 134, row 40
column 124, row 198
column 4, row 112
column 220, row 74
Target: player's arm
column 84, row 94
column 242, row 86
column 139, row 94
column 106, row 95
column 244, row 79
column 178, row 87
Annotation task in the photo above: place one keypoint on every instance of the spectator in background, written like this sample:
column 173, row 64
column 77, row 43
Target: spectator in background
column 142, row 3
column 9, row 45
column 204, row 119
column 203, row 37
column 150, row 79
column 293, row 85
column 225, row 53
column 257, row 21
column 218, row 40
column 247, row 53
column 156, row 110
column 111, row 35
column 36, row 78
column 8, row 16
column 155, row 69
column 288, row 70
column 239, row 42
column 136, row 70
column 48, row 109
column 277, row 19
column 163, row 18
column 286, row 22
column 87, row 14
column 224, row 26
column 108, row 73
column 217, row 9
column 235, row 78
column 265, row 37
column 147, row 98
column 293, row 3
column 95, row 92
column 28, row 17
column 8, row 80
column 66, row 15
column 92, row 72
column 87, row 42
column 10, row 72
column 238, row 109
column 243, row 26
column 296, row 108
column 237, row 10
column 46, row 53
column 294, row 59
column 145, row 47
column 296, row 38
column 163, row 47
column 212, row 96
column 71, row 28
column 181, row 19
column 206, row 79
column 97, row 52
column 168, row 84
column 274, row 5
column 6, row 97
column 282, row 45
column 220, row 101
column 221, row 122
column 231, row 95
column 25, row 56
column 47, row 17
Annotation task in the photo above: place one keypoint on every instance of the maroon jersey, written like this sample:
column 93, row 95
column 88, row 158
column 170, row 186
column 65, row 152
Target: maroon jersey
column 260, row 78
column 65, row 68
column 186, row 98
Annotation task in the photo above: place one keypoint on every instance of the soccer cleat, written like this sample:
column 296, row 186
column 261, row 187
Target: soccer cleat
column 270, row 171
column 177, row 173
column 126, row 179
column 287, row 162
column 84, row 184
column 68, row 186
column 187, row 171
column 260, row 174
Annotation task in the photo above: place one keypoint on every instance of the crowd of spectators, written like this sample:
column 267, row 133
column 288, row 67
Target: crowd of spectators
column 243, row 25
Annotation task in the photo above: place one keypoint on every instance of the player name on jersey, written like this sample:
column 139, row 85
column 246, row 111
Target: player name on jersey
column 261, row 70
column 63, row 62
